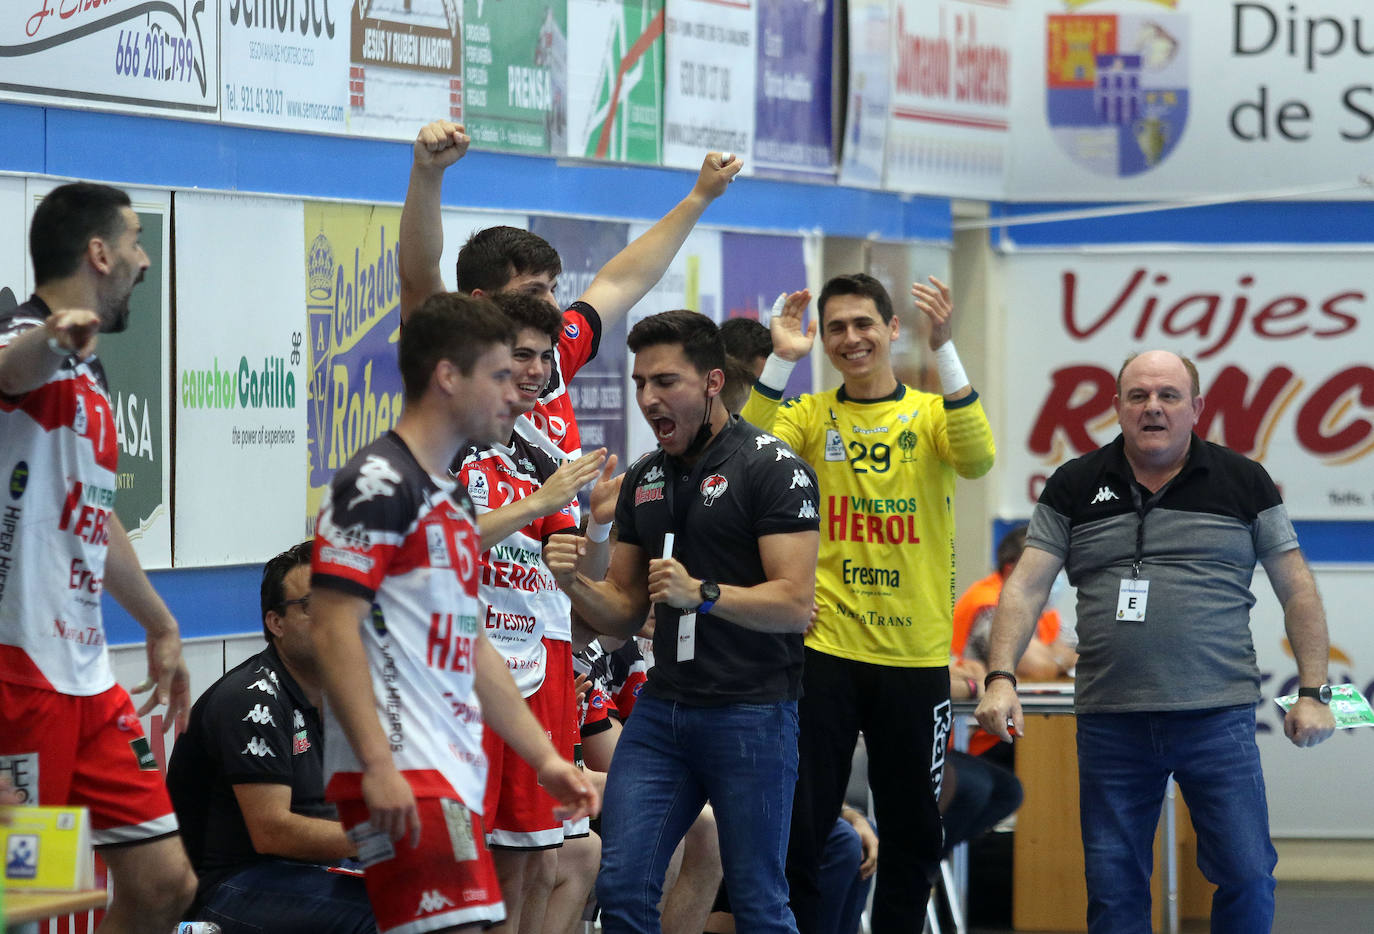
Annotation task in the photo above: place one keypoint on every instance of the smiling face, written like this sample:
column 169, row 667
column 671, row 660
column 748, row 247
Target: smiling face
column 532, row 368
column 673, row 394
column 858, row 341
column 1157, row 410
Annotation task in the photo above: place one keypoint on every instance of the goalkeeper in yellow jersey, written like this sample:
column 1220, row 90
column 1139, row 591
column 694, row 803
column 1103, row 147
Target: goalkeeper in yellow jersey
column 877, row 660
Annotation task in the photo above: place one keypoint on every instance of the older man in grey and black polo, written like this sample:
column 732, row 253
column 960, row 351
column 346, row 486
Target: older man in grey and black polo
column 1160, row 532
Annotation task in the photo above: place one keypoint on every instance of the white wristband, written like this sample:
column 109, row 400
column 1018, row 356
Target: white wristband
column 952, row 375
column 598, row 531
column 776, row 372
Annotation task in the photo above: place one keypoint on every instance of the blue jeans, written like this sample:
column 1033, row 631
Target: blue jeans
column 843, row 893
column 671, row 759
column 1124, row 761
column 288, row 897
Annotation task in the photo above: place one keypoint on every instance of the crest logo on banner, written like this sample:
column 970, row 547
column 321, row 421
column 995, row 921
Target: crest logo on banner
column 1116, row 84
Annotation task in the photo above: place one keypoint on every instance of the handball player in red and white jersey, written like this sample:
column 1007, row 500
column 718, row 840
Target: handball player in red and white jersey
column 394, row 605
column 68, row 733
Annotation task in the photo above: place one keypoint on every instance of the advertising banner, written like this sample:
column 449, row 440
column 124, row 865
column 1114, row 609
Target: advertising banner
column 794, row 99
column 15, row 274
column 866, row 109
column 754, row 269
column 516, row 58
column 615, row 86
column 405, row 66
column 286, row 66
column 1165, row 98
column 709, row 81
column 353, row 310
column 151, row 56
column 1280, row 344
column 242, row 379
column 951, row 97
column 585, row 246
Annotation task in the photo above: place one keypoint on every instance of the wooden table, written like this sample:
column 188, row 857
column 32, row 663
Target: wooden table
column 22, row 906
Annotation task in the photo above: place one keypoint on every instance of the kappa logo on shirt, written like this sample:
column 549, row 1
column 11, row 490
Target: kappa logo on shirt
column 783, row 453
column 260, row 715
column 808, row 510
column 375, row 478
column 1103, row 495
column 432, row 901
column 297, row 720
column 262, row 685
column 762, row 440
column 800, row 479
column 257, row 746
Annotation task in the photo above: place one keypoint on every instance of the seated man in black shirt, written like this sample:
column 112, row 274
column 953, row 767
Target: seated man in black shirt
column 247, row 783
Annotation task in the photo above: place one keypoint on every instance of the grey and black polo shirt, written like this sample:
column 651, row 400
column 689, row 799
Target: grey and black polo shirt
column 1203, row 532
column 746, row 484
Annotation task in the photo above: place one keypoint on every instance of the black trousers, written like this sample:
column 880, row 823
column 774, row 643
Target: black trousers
column 904, row 714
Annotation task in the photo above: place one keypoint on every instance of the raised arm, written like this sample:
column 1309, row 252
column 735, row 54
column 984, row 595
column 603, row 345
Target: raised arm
column 421, row 245
column 1309, row 721
column 635, row 270
column 967, row 444
column 1023, row 597
column 791, row 342
column 31, row 359
column 782, row 603
column 167, row 674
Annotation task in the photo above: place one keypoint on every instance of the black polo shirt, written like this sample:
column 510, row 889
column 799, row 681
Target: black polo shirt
column 1198, row 539
column 253, row 725
column 746, row 484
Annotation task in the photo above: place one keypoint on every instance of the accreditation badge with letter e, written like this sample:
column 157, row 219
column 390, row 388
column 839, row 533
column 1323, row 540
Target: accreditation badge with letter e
column 1130, row 604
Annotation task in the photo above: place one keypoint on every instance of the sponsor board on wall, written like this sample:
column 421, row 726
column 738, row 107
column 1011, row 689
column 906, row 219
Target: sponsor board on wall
column 754, row 269
column 136, row 365
column 708, row 80
column 585, row 246
column 692, row 281
column 242, row 379
column 286, row 66
column 615, row 87
column 128, row 55
column 1280, row 344
column 404, row 65
column 1165, row 98
column 794, row 100
column 951, row 97
column 869, row 89
column 353, row 312
column 516, row 74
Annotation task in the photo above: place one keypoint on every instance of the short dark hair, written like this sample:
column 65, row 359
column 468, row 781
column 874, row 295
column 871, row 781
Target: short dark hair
column 861, row 284
column 745, row 339
column 449, row 326
column 273, row 592
column 697, row 334
column 67, row 219
column 525, row 311
column 1011, row 546
column 494, row 256
column 1195, row 385
column 739, row 379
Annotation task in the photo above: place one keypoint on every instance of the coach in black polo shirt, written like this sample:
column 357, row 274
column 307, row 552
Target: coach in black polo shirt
column 247, row 783
column 1160, row 532
column 717, row 720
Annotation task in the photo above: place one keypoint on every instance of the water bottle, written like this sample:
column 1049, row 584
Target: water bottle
column 198, row 927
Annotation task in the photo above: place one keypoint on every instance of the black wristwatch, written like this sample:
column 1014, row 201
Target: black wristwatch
column 1320, row 694
column 710, row 593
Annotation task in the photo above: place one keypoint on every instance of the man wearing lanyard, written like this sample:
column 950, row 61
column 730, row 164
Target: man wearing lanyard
column 719, row 529
column 1160, row 532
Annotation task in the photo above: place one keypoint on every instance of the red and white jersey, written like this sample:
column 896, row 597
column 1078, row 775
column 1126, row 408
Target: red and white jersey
column 553, row 414
column 396, row 536
column 520, row 601
column 59, row 454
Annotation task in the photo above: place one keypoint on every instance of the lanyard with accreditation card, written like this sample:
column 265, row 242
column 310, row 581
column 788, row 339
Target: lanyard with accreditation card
column 1135, row 593
column 686, row 622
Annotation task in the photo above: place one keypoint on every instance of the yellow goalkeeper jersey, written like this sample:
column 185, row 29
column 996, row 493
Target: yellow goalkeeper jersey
column 886, row 469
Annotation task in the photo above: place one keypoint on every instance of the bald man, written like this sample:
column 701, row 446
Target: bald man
column 1160, row 532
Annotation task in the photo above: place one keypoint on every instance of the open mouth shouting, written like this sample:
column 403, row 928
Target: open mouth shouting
column 665, row 428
